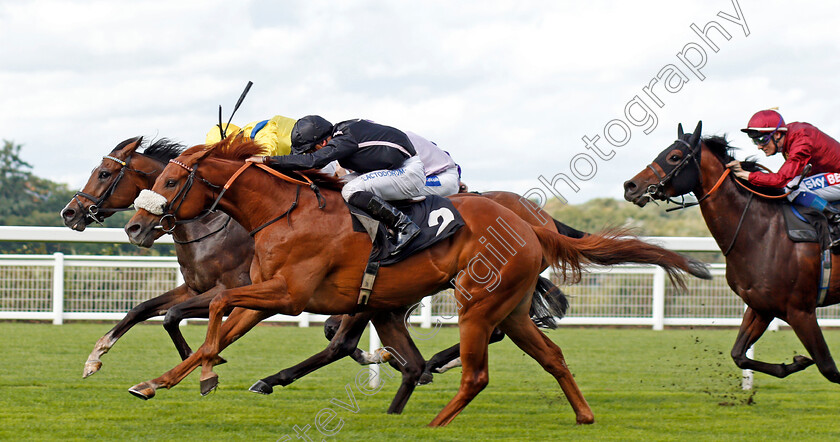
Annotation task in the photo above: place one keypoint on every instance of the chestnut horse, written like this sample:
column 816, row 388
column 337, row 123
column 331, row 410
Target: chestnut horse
column 775, row 277
column 216, row 251
column 313, row 261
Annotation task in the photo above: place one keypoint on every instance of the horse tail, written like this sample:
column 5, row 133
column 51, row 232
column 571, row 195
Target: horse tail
column 548, row 304
column 611, row 247
column 567, row 230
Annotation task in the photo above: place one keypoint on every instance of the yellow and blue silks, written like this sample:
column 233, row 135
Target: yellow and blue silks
column 274, row 134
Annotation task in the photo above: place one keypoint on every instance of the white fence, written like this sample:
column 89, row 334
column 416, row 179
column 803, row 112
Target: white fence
column 58, row 288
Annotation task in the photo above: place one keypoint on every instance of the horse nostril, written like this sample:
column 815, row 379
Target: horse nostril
column 132, row 229
column 629, row 186
column 68, row 214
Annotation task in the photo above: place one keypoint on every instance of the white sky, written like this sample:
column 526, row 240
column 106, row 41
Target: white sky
column 508, row 87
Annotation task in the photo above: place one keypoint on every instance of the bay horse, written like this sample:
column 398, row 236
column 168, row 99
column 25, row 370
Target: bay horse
column 774, row 276
column 222, row 260
column 216, row 251
column 313, row 261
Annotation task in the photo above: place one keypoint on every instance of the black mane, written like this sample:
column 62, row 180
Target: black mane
column 164, row 150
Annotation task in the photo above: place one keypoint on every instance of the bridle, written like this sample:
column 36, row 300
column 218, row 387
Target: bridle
column 656, row 191
column 94, row 211
column 180, row 197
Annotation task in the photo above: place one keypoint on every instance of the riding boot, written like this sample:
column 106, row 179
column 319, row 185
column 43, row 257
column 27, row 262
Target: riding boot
column 833, row 217
column 404, row 229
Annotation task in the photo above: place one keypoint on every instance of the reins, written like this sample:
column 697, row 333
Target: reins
column 183, row 192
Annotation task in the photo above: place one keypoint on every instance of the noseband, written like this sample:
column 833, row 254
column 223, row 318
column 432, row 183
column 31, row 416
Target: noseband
column 94, row 211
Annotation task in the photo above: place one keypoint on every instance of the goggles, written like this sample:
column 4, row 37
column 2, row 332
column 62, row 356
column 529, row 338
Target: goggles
column 763, row 139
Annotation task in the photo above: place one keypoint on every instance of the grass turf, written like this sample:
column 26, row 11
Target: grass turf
column 641, row 384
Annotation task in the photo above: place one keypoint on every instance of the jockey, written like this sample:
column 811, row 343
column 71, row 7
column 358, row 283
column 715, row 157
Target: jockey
column 385, row 158
column 800, row 144
column 442, row 174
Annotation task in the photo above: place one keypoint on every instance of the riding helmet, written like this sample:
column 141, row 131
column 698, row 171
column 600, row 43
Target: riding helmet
column 765, row 121
column 308, row 131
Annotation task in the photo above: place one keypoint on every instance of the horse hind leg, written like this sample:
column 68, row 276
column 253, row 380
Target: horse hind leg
column 475, row 335
column 405, row 356
column 808, row 330
column 531, row 340
column 752, row 327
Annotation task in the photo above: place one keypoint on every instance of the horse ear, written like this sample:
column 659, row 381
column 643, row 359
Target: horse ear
column 680, row 132
column 695, row 136
column 128, row 146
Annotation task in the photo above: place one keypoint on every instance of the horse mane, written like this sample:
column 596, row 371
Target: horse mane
column 721, row 149
column 236, row 148
column 163, row 150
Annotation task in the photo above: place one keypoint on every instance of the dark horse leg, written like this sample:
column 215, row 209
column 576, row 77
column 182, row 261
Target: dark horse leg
column 405, row 356
column 342, row 344
column 344, row 341
column 808, row 330
column 143, row 311
column 752, row 327
column 197, row 307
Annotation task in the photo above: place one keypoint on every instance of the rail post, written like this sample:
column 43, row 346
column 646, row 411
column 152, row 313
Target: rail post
column 58, row 288
column 658, row 307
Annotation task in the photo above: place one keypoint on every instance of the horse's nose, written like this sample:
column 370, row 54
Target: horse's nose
column 133, row 229
column 68, row 214
column 630, row 189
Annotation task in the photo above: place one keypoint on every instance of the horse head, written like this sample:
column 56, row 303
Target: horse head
column 180, row 193
column 675, row 172
column 105, row 192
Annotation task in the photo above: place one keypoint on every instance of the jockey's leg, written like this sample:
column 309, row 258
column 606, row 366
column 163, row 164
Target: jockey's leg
column 816, row 192
column 371, row 191
column 442, row 184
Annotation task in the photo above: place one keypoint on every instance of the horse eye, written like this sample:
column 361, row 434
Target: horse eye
column 104, row 174
column 675, row 157
column 170, row 183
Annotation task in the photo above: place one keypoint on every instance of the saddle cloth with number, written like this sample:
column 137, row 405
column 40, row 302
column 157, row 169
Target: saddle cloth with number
column 436, row 216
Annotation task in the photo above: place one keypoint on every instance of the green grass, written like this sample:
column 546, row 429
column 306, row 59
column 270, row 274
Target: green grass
column 641, row 385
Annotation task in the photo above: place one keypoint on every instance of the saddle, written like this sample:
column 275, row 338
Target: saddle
column 805, row 224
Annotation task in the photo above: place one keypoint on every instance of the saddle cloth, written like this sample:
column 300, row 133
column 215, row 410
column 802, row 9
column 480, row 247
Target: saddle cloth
column 436, row 216
column 805, row 224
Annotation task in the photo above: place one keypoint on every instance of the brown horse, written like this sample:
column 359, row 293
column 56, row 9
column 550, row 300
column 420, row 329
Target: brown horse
column 216, row 251
column 313, row 261
column 775, row 277
column 223, row 260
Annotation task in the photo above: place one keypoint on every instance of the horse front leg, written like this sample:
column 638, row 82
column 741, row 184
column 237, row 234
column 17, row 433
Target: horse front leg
column 143, row 311
column 752, row 327
column 238, row 323
column 267, row 296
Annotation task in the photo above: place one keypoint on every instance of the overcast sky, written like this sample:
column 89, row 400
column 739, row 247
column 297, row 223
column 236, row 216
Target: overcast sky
column 508, row 87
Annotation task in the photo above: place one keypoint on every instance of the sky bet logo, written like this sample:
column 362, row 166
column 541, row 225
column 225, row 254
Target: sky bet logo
column 821, row 181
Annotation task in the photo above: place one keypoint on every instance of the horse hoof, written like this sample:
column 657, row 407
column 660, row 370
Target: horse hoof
column 91, row 367
column 802, row 360
column 425, row 378
column 209, row 384
column 143, row 390
column 261, row 387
